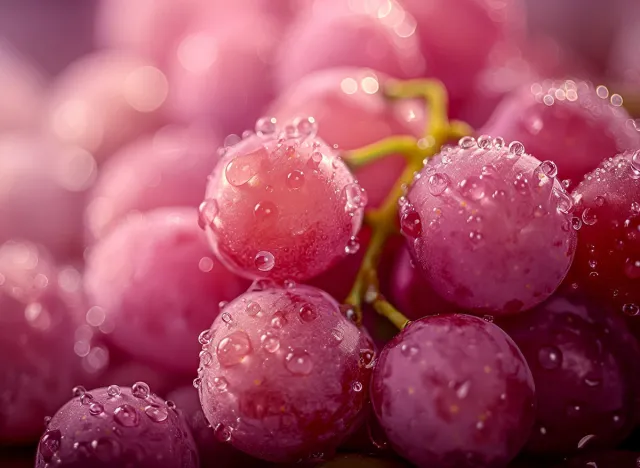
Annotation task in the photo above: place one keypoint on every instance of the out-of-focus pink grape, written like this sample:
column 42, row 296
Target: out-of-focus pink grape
column 607, row 213
column 117, row 427
column 42, row 186
column 166, row 168
column 221, row 72
column 21, row 92
column 283, row 374
column 282, row 204
column 376, row 34
column 454, row 391
column 351, row 111
column 585, row 365
column 154, row 280
column 458, row 36
column 103, row 100
column 37, row 342
column 574, row 124
column 488, row 225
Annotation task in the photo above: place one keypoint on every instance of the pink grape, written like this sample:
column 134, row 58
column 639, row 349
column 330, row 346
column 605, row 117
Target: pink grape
column 37, row 342
column 585, row 367
column 574, row 124
column 374, row 34
column 607, row 263
column 117, row 427
column 154, row 280
column 454, row 391
column 42, row 192
column 166, row 168
column 103, row 100
column 351, row 111
column 283, row 374
column 281, row 204
column 489, row 226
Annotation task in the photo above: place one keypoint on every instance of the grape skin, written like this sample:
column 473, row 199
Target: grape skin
column 454, row 391
column 284, row 375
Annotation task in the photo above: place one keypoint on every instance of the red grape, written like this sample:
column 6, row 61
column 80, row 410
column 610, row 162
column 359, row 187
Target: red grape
column 281, row 204
column 377, row 34
column 351, row 112
column 283, row 374
column 585, row 365
column 156, row 286
column 167, row 168
column 574, row 124
column 115, row 427
column 37, row 342
column 489, row 226
column 607, row 263
column 454, row 391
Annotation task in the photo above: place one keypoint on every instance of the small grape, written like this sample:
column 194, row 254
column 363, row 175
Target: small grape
column 117, row 427
column 270, row 211
column 461, row 384
column 489, row 226
column 158, row 285
column 279, row 386
column 573, row 123
column 585, row 367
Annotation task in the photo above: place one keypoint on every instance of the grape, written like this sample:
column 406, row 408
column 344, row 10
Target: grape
column 456, row 55
column 212, row 451
column 377, row 34
column 283, row 374
column 21, row 95
column 103, row 100
column 167, row 168
column 489, row 226
column 607, row 459
column 37, row 342
column 280, row 203
column 411, row 293
column 117, row 427
column 607, row 263
column 572, row 123
column 351, row 112
column 41, row 192
column 157, row 286
column 454, row 391
column 585, row 367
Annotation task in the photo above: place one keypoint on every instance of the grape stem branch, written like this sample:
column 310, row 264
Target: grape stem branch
column 383, row 220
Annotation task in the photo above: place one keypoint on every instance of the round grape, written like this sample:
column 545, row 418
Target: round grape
column 489, row 226
column 585, row 367
column 284, row 376
column 454, row 391
column 117, row 427
column 158, row 286
column 281, row 204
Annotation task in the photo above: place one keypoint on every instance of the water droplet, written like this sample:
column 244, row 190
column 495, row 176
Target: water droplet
column 357, row 386
column 170, row 404
column 516, row 148
column 576, row 223
column 635, row 208
column 315, row 159
column 295, row 179
column 548, row 169
column 50, row 444
column 113, row 391
column 409, row 350
column 278, row 320
column 205, row 358
column 462, row 390
column 498, row 142
column 299, row 363
column 197, row 382
column 410, row 223
column 488, row 318
column 631, row 309
column 475, row 237
column 78, row 391
column 233, row 349
column 270, row 343
column 266, row 126
column 356, row 197
column 220, row 383
column 367, row 358
column 47, row 421
column 308, row 313
column 126, row 416
column 207, row 212
column 264, row 261
column 86, row 398
column 565, row 202
column 589, row 217
column 438, row 183
column 95, row 408
column 222, row 433
column 484, row 142
column 599, row 201
column 242, row 169
column 550, row 357
column 205, row 337
column 472, row 188
column 156, row 413
column 573, row 410
column 352, row 246
column 337, row 335
column 467, row 142
column 140, row 390
column 635, row 160
column 592, row 381
column 585, row 440
column 226, row 318
column 253, row 308
column 265, row 211
column 307, row 126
